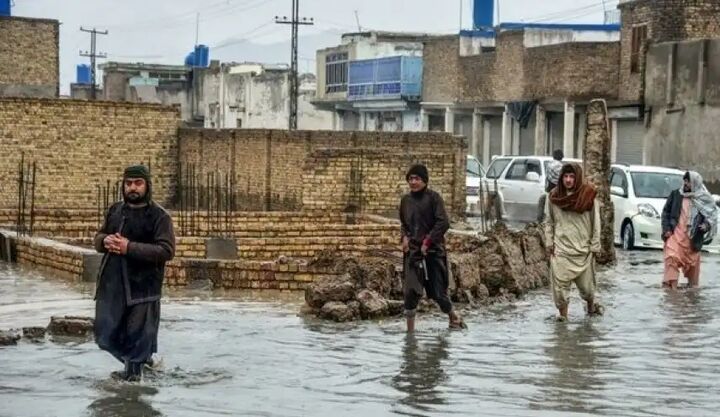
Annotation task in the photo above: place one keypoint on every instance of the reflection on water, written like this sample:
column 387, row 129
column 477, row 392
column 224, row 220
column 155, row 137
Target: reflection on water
column 654, row 353
column 119, row 399
column 422, row 372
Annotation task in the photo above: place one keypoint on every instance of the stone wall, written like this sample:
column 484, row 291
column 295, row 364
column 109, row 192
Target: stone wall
column 80, row 145
column 270, row 167
column 29, row 57
column 512, row 72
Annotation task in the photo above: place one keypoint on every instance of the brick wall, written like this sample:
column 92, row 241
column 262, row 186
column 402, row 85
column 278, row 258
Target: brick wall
column 270, row 167
column 513, row 72
column 79, row 145
column 56, row 258
column 666, row 20
column 441, row 60
column 292, row 276
column 342, row 179
column 29, row 57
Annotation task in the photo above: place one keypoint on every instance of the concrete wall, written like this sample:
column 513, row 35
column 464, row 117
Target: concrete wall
column 255, row 101
column 79, row 145
column 683, row 94
column 29, row 57
column 271, row 167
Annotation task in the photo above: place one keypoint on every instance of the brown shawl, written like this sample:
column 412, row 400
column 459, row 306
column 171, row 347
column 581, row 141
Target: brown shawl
column 579, row 200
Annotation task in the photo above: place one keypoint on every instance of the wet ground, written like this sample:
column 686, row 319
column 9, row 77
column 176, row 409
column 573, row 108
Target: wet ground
column 653, row 354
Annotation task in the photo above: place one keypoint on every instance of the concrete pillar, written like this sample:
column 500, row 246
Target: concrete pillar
column 486, row 144
column 449, row 120
column 541, row 137
column 477, row 135
column 424, row 120
column 614, row 145
column 506, row 132
column 569, row 130
column 581, row 132
column 515, row 136
column 336, row 121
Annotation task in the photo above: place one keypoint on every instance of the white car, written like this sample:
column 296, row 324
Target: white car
column 474, row 171
column 639, row 194
column 518, row 182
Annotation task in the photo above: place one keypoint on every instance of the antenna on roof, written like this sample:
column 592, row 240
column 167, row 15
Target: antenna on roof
column 357, row 19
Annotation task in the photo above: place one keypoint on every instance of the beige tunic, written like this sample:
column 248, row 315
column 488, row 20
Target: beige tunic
column 575, row 239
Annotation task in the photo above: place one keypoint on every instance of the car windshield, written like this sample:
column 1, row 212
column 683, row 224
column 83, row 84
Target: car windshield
column 473, row 168
column 497, row 167
column 655, row 184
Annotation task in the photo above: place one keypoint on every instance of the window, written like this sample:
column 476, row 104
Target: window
column 497, row 167
column 473, row 168
column 336, row 72
column 619, row 179
column 639, row 36
column 518, row 170
column 655, row 184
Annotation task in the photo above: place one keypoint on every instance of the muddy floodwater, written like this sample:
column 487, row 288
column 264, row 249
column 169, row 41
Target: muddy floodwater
column 653, row 354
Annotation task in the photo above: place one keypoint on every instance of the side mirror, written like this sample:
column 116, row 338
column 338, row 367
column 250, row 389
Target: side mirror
column 532, row 177
column 618, row 191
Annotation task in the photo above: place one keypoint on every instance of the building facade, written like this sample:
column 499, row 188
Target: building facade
column 372, row 81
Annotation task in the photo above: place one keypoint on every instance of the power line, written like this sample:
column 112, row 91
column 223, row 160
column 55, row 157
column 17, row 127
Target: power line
column 93, row 55
column 294, row 23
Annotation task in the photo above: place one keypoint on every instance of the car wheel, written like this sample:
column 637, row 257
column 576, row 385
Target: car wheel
column 628, row 236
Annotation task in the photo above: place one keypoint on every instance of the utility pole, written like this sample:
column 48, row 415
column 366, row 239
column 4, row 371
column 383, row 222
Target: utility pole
column 294, row 23
column 93, row 54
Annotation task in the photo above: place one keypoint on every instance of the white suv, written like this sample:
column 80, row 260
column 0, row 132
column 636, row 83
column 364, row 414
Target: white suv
column 520, row 184
column 474, row 171
column 639, row 194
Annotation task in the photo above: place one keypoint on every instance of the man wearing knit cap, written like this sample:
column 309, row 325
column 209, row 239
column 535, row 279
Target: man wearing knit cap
column 425, row 269
column 137, row 239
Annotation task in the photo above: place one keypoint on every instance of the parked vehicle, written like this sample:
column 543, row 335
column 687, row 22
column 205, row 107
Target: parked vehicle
column 516, row 183
column 639, row 194
column 473, row 173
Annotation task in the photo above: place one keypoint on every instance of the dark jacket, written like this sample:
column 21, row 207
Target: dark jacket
column 423, row 218
column 152, row 243
column 671, row 217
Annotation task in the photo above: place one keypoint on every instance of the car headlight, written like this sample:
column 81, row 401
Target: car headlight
column 647, row 210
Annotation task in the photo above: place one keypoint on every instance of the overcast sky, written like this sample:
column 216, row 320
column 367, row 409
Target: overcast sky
column 163, row 31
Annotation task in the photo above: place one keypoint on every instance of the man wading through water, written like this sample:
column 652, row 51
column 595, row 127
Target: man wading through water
column 688, row 219
column 572, row 236
column 423, row 225
column 137, row 239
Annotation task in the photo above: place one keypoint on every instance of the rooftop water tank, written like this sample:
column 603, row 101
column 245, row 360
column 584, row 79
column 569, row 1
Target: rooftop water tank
column 202, row 56
column 190, row 59
column 83, row 74
column 483, row 14
column 4, row 7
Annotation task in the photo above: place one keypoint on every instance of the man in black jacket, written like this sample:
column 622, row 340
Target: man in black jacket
column 137, row 239
column 689, row 219
column 423, row 225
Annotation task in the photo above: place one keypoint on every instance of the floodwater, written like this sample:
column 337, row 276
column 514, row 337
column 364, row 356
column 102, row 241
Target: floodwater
column 653, row 354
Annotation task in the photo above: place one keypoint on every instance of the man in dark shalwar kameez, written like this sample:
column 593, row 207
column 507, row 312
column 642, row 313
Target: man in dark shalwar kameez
column 137, row 239
column 425, row 269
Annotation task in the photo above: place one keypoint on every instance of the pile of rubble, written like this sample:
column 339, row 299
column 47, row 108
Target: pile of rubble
column 59, row 327
column 500, row 265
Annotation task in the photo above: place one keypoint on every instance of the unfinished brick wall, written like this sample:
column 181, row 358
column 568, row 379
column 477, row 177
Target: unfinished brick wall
column 59, row 259
column 272, row 165
column 79, row 145
column 374, row 180
column 29, row 57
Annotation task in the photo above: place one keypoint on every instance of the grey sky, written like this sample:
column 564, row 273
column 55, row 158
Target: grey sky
column 163, row 31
